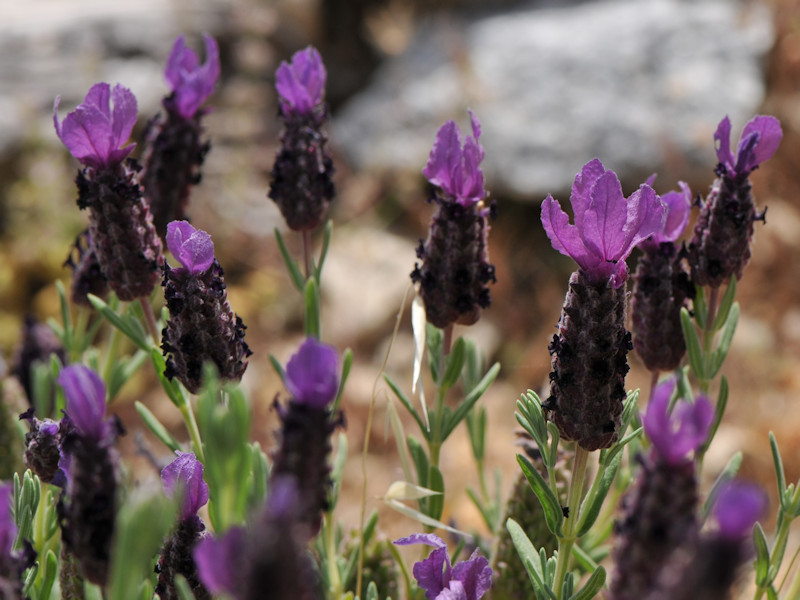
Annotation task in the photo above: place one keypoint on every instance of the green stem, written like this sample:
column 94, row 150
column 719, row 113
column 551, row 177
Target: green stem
column 574, row 497
column 307, row 253
column 194, row 430
column 150, row 320
column 708, row 338
column 335, row 582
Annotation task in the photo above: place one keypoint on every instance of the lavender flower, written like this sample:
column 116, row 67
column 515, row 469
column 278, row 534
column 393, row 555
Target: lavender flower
column 175, row 151
column 706, row 568
column 587, row 382
column 312, row 376
column 120, row 224
column 454, row 274
column 302, row 184
column 13, row 563
column 468, row 580
column 738, row 506
column 184, row 473
column 87, row 275
column 87, row 511
column 676, row 435
column 659, row 512
column 720, row 247
column 661, row 288
column 202, row 327
column 38, row 344
column 43, row 447
column 268, row 556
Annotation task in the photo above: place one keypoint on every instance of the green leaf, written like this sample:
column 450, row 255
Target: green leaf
column 421, row 463
column 719, row 355
column 421, row 517
column 337, row 471
column 50, row 572
column 762, row 555
column 294, row 271
column 405, row 402
column 700, row 307
column 777, row 461
column 719, row 412
column 372, row 591
column 347, row 364
column 127, row 324
column 171, row 387
column 693, row 348
column 141, row 526
column 454, row 363
column 593, row 585
column 728, row 473
column 726, row 304
column 435, row 504
column 475, row 395
column 277, row 367
column 476, row 427
column 597, row 495
column 323, row 253
column 157, row 427
column 184, row 591
column 530, row 559
column 434, row 342
column 531, row 418
column 312, row 319
column 553, row 513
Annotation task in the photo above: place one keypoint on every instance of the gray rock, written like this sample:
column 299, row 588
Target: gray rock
column 640, row 84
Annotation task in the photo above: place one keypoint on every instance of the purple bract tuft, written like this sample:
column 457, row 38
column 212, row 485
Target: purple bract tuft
column 186, row 472
column 738, row 506
column 468, row 580
column 192, row 82
column 94, row 132
column 454, row 166
column 192, row 247
column 86, row 403
column 607, row 225
column 678, row 205
column 218, row 561
column 760, row 139
column 301, row 83
column 312, row 374
column 675, row 436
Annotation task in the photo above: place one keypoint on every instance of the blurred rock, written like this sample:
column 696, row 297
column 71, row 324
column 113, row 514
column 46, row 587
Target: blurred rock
column 51, row 48
column 640, row 84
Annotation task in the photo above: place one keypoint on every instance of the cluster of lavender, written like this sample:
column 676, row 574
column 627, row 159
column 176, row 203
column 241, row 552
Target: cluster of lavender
column 271, row 524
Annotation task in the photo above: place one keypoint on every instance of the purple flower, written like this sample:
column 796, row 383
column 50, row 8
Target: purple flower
column 218, row 561
column 678, row 205
column 468, row 580
column 759, row 141
column 86, row 403
column 607, row 225
column 738, row 506
column 8, row 528
column 301, row 84
column 454, row 166
column 94, row 132
column 186, row 472
column 192, row 247
column 192, row 82
column 312, row 374
column 675, row 435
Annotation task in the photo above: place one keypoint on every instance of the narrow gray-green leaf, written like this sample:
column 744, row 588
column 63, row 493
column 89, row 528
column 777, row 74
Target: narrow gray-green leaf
column 312, row 317
column 454, row 363
column 594, row 501
column 294, row 271
column 475, row 395
column 553, row 514
column 762, row 555
column 725, row 305
column 157, row 427
column 693, row 349
column 593, row 585
column 530, row 558
column 725, row 340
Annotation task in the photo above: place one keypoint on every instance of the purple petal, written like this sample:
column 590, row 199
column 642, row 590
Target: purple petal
column 678, row 206
column 582, row 188
column 192, row 82
column 85, row 395
column 454, row 591
column 186, row 472
column 564, row 236
column 675, row 436
column 646, row 216
column 769, row 138
column 738, row 506
column 312, row 374
column 433, row 573
column 192, row 247
column 8, row 528
column 455, row 168
column 722, row 137
column 444, row 157
column 605, row 218
column 93, row 133
column 476, row 575
column 218, row 561
column 301, row 84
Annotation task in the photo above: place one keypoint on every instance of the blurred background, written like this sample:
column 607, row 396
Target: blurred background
column 640, row 84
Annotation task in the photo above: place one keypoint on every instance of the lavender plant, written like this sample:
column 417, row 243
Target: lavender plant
column 594, row 472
